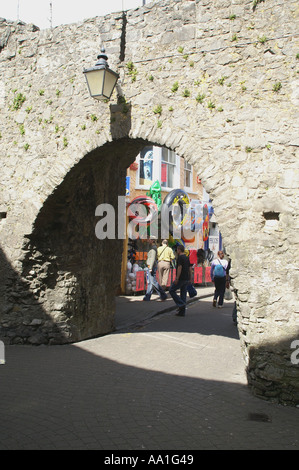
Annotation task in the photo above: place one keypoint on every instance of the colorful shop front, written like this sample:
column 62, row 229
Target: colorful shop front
column 168, row 188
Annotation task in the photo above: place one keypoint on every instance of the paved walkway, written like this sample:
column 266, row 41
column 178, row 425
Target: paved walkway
column 166, row 383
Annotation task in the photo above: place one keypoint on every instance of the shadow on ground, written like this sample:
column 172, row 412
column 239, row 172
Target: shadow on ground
column 71, row 397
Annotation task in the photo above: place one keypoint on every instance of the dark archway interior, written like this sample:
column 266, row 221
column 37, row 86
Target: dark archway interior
column 73, row 273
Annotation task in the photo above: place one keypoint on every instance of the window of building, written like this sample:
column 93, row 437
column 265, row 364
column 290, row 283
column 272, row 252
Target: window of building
column 188, row 176
column 158, row 163
column 168, row 168
column 146, row 166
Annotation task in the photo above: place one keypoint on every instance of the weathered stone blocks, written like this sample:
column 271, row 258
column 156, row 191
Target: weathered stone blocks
column 233, row 113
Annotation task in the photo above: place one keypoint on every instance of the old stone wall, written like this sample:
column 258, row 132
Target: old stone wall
column 215, row 81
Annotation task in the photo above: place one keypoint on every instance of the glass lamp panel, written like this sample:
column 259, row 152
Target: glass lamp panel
column 109, row 83
column 95, row 82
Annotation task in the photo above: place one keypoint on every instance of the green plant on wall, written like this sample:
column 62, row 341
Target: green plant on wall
column 175, row 87
column 158, row 110
column 221, row 80
column 200, row 97
column 277, row 86
column 18, row 101
column 132, row 71
column 263, row 39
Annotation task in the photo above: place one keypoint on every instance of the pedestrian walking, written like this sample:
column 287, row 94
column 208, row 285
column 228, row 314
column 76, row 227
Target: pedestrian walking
column 183, row 276
column 190, row 286
column 218, row 276
column 152, row 283
column 165, row 257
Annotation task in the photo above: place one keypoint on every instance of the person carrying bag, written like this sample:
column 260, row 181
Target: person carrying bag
column 218, row 276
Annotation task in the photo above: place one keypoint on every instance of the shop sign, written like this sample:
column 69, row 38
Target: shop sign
column 139, row 281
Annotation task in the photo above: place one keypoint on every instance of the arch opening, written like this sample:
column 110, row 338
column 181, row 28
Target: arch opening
column 73, row 273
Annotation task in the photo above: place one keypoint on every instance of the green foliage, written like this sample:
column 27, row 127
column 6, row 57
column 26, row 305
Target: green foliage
column 18, row 101
column 221, row 80
column 158, row 109
column 41, row 92
column 199, row 98
column 263, row 39
column 186, row 93
column 26, row 147
column 175, row 87
column 132, row 71
column 277, row 86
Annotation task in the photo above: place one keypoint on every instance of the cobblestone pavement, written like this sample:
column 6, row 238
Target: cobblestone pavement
column 169, row 383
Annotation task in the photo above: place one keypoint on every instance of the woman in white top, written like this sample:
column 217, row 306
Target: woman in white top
column 218, row 276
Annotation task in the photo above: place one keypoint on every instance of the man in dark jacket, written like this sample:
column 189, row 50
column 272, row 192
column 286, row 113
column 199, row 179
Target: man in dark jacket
column 183, row 276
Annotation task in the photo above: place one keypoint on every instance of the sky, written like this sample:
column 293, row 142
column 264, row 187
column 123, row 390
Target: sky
column 63, row 11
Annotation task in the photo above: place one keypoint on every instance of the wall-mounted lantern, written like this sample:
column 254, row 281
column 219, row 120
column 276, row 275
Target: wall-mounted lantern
column 100, row 79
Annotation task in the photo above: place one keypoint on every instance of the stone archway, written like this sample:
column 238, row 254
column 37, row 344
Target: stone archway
column 196, row 77
column 73, row 274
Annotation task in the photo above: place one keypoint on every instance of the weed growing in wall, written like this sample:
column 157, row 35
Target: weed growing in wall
column 175, row 87
column 132, row 71
column 277, row 86
column 18, row 101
